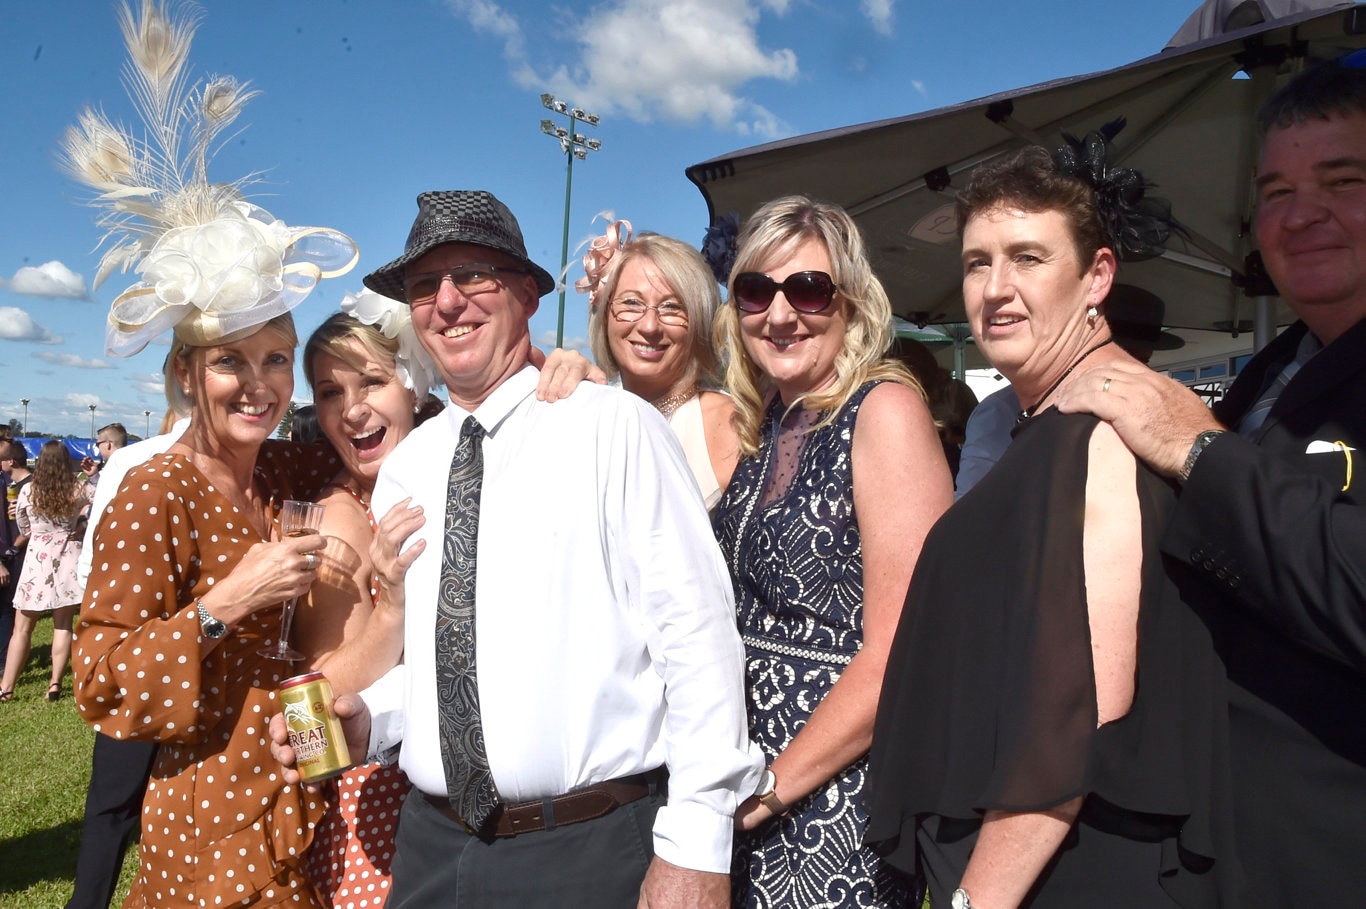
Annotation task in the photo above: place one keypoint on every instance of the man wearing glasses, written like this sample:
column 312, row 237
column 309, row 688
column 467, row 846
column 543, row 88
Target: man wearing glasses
column 591, row 752
column 1273, row 503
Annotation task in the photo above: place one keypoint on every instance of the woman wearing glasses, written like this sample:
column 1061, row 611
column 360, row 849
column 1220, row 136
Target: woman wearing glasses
column 653, row 300
column 840, row 477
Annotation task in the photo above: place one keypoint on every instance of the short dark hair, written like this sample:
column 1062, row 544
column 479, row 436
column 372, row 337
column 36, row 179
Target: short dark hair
column 1327, row 89
column 1028, row 179
column 15, row 450
column 115, row 433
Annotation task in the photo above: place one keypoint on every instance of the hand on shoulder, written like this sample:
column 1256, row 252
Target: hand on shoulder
column 1156, row 417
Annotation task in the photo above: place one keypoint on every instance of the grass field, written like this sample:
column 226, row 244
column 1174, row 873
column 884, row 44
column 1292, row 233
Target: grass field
column 44, row 770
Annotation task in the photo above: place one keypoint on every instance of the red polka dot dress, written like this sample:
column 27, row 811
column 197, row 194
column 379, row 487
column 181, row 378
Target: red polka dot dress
column 353, row 850
column 219, row 825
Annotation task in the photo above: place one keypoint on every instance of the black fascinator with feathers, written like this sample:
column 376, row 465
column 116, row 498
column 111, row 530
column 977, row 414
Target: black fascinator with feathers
column 1137, row 224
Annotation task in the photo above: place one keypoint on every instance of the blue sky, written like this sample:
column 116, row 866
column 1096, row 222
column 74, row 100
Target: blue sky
column 366, row 103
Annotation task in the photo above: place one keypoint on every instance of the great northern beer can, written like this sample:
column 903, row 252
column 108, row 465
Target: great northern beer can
column 315, row 733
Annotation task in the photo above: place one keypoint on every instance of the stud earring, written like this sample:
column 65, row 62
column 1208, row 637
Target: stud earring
column 1092, row 312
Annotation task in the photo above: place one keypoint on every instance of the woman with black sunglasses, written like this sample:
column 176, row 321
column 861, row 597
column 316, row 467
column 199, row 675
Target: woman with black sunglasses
column 841, row 476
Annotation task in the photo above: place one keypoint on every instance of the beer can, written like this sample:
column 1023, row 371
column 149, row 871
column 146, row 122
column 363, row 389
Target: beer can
column 315, row 733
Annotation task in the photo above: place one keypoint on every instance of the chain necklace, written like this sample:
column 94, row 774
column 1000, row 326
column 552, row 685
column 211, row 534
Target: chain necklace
column 668, row 404
column 1029, row 411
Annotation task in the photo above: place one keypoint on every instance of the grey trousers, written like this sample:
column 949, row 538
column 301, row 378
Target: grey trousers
column 597, row 864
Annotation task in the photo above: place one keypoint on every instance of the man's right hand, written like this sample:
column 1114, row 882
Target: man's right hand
column 667, row 886
column 1156, row 417
column 355, row 717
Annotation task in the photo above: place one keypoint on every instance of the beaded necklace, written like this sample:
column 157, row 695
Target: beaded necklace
column 668, row 404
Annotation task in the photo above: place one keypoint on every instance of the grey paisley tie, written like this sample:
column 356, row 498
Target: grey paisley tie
column 469, row 783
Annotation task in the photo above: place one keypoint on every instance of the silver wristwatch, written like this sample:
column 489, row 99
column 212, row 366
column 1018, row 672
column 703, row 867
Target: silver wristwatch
column 960, row 900
column 1197, row 447
column 213, row 628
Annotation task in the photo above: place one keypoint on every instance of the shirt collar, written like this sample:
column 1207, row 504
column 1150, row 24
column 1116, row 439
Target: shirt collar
column 502, row 401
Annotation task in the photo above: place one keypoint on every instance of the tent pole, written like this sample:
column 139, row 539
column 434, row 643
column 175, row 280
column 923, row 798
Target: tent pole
column 1264, row 322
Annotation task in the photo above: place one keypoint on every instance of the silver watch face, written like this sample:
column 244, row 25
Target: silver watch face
column 960, row 900
column 766, row 783
column 213, row 628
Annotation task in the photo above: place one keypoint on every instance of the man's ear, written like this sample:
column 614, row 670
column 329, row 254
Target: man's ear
column 532, row 300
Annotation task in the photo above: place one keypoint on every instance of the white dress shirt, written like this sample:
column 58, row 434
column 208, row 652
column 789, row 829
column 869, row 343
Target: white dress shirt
column 605, row 623
column 110, row 478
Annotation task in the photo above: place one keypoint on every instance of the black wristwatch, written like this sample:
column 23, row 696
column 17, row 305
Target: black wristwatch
column 1197, row 447
column 213, row 628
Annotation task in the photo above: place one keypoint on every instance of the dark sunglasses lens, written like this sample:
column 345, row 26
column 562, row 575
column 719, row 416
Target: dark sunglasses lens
column 753, row 291
column 809, row 291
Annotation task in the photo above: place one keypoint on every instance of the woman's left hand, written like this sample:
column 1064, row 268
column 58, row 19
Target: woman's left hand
column 390, row 560
column 752, row 814
column 562, row 371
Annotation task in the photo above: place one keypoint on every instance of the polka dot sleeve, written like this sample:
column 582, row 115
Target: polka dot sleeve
column 137, row 662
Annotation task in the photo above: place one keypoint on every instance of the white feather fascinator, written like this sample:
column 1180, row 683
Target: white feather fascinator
column 212, row 266
column 413, row 365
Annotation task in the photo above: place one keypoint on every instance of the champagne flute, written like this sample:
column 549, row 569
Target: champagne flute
column 296, row 519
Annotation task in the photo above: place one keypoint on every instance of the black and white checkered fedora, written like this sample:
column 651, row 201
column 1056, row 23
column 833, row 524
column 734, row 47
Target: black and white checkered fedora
column 457, row 216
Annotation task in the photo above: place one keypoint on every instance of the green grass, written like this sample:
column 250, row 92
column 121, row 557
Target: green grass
column 44, row 771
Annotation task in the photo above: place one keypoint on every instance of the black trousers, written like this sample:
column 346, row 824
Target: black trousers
column 597, row 864
column 119, row 769
column 7, row 606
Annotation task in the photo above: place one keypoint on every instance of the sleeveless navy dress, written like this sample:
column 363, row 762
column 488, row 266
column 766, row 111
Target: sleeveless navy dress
column 788, row 529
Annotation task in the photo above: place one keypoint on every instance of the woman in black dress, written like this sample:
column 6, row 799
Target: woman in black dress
column 1051, row 730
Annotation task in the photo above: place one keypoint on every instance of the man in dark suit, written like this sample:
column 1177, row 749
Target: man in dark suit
column 1273, row 508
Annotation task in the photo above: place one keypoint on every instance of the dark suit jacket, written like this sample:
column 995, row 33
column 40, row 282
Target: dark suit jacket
column 1275, row 531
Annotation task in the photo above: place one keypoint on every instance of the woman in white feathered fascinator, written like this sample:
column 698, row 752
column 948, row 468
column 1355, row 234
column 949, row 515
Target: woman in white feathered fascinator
column 181, row 632
column 211, row 264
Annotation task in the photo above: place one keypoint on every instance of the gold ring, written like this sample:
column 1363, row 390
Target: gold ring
column 1106, row 386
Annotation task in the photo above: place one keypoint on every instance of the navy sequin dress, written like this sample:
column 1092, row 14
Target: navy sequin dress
column 787, row 527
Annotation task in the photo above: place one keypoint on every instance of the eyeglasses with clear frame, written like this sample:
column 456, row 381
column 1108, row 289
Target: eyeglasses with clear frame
column 670, row 312
column 471, row 279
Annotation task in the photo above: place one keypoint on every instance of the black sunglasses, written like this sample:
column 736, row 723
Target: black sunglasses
column 806, row 291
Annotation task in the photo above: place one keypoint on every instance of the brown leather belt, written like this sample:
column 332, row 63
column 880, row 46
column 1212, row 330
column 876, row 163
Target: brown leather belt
column 513, row 818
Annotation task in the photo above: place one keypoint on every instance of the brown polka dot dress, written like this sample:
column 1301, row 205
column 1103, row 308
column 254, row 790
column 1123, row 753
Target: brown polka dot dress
column 219, row 826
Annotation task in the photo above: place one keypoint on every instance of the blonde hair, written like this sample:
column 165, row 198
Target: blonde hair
column 337, row 336
column 691, row 280
column 771, row 234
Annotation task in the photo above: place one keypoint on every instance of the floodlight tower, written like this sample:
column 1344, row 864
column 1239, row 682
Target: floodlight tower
column 24, row 401
column 574, row 145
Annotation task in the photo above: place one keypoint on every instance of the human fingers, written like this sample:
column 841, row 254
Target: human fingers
column 281, row 750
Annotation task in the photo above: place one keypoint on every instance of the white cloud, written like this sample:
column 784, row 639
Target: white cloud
column 491, row 19
column 546, row 342
column 73, row 361
column 17, row 325
column 879, row 12
column 920, row 88
column 80, row 400
column 150, row 383
column 51, row 279
column 680, row 60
